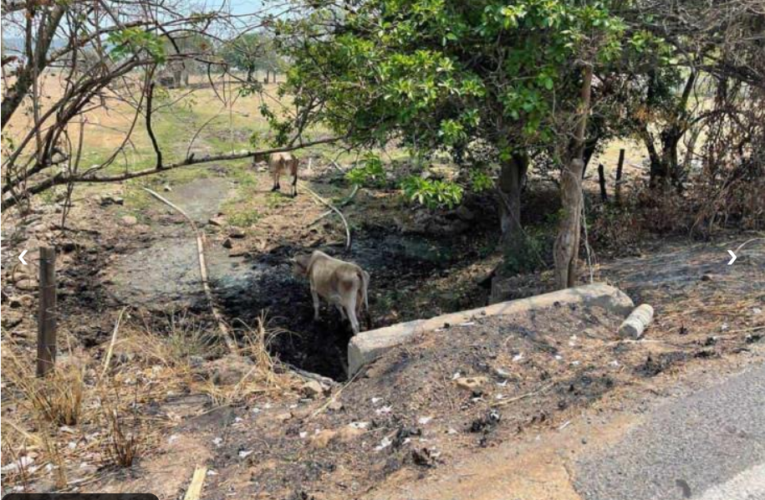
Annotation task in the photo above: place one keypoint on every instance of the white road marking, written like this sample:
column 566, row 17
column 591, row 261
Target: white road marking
column 748, row 485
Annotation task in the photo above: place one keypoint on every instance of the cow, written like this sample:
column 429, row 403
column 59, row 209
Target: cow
column 343, row 284
column 281, row 163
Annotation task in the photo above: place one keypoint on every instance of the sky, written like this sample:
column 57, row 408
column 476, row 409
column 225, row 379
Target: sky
column 13, row 38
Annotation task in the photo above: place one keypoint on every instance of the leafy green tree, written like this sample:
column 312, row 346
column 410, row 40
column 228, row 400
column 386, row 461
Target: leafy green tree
column 456, row 76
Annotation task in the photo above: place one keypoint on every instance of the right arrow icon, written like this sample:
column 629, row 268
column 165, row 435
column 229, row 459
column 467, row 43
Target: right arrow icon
column 733, row 257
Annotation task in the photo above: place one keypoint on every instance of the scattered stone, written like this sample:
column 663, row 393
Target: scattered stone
column 129, row 220
column 236, row 232
column 312, row 389
column 25, row 301
column 12, row 319
column 28, row 285
column 196, row 361
column 217, row 221
column 166, row 188
column 227, row 243
column 283, row 417
column 106, row 200
column 335, row 405
column 343, row 435
column 229, row 370
column 471, row 383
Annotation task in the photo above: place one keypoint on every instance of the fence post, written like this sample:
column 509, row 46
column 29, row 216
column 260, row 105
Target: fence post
column 46, row 328
column 619, row 168
column 602, row 182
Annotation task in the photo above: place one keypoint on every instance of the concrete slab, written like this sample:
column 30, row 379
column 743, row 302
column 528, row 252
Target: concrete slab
column 368, row 346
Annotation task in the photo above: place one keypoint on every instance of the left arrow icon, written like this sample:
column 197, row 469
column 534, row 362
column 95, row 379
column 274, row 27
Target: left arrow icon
column 21, row 257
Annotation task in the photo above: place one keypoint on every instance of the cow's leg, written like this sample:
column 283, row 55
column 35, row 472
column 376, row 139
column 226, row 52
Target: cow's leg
column 276, row 176
column 350, row 308
column 342, row 311
column 315, row 297
column 294, row 185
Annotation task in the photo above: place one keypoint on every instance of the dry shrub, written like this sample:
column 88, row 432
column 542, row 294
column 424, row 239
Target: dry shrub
column 262, row 377
column 733, row 202
column 173, row 343
column 124, row 443
column 57, row 397
column 736, row 202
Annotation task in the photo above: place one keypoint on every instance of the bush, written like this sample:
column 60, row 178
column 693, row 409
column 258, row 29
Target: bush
column 371, row 174
column 432, row 193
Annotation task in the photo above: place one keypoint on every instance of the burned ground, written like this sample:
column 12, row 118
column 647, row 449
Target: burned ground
column 410, row 413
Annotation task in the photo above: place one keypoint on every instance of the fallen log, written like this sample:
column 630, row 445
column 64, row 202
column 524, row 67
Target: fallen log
column 636, row 323
column 321, row 200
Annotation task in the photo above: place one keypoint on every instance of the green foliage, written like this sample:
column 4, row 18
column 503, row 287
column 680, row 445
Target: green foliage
column 244, row 218
column 130, row 42
column 439, row 75
column 480, row 181
column 431, row 193
column 370, row 174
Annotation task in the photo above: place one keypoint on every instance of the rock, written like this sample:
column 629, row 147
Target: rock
column 106, row 200
column 335, row 405
column 166, row 188
column 227, row 243
column 217, row 221
column 28, row 285
column 343, row 435
column 229, row 370
column 312, row 389
column 21, row 301
column 196, row 361
column 129, row 220
column 283, row 417
column 12, row 319
column 236, row 232
column 471, row 383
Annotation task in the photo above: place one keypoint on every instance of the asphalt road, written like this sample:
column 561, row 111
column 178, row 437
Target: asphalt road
column 706, row 446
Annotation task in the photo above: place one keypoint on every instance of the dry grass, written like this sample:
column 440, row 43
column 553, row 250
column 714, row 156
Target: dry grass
column 80, row 415
column 57, row 397
column 262, row 378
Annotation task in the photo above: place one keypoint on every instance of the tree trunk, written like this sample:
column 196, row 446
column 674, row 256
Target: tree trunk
column 509, row 187
column 566, row 250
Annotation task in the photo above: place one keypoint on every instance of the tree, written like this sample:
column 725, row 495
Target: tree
column 253, row 52
column 456, row 76
column 101, row 52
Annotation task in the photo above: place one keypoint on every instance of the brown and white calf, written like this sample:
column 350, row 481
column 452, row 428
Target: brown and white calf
column 343, row 284
column 282, row 163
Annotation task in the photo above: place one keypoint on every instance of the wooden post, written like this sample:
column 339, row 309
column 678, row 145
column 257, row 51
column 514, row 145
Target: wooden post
column 46, row 329
column 602, row 181
column 619, row 168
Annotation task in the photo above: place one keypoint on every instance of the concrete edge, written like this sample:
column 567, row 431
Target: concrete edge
column 370, row 345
